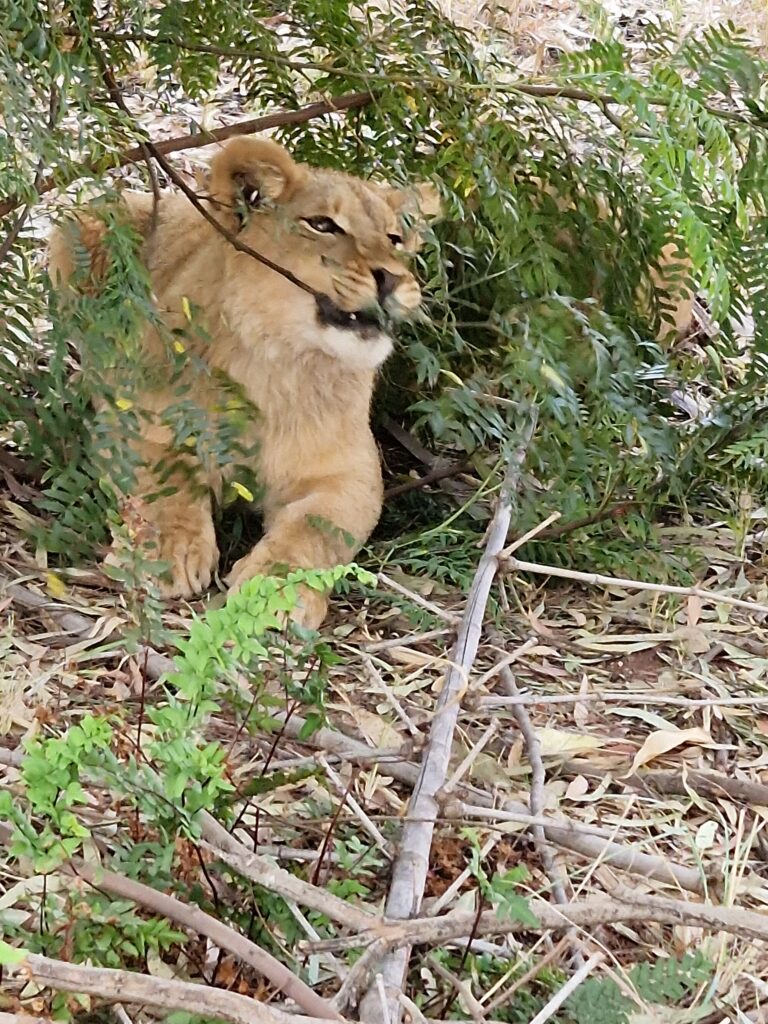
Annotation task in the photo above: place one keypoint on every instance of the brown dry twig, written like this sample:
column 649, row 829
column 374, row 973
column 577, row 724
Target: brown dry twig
column 79, row 626
column 196, row 920
column 435, row 475
column 596, row 579
column 338, row 104
column 158, row 993
column 536, row 794
column 231, row 852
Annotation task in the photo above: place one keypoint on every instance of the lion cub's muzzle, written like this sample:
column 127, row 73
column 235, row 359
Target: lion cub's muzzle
column 370, row 300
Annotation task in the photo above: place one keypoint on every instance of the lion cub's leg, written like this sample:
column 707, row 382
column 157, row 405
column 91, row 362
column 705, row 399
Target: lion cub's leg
column 323, row 522
column 177, row 527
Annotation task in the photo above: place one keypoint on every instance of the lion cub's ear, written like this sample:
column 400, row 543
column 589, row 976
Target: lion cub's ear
column 421, row 203
column 418, row 205
column 252, row 172
column 428, row 201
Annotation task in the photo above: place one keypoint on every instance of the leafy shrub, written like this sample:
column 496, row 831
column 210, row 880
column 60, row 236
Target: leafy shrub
column 622, row 155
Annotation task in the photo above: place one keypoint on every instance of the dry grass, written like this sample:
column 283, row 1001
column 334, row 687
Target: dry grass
column 535, row 27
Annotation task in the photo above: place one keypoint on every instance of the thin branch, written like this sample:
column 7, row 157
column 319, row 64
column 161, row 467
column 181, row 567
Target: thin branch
column 196, row 920
column 435, row 475
column 159, row 993
column 557, row 1000
column 622, row 907
column 259, row 869
column 79, row 626
column 149, row 149
column 536, row 794
column 348, row 101
column 409, row 872
column 422, row 602
column 612, row 697
column 598, row 580
column 580, row 839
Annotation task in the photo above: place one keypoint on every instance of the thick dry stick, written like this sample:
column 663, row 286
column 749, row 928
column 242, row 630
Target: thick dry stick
column 261, row 870
column 623, row 907
column 596, row 579
column 80, row 626
column 349, row 101
column 560, row 833
column 126, row 986
column 409, row 872
column 569, row 837
column 196, row 920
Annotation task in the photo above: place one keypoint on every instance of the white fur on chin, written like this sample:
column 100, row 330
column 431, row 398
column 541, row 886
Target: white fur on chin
column 355, row 352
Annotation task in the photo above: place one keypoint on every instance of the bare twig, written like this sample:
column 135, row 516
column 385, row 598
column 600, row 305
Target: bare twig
column 159, row 993
column 435, row 475
column 535, row 531
column 422, row 602
column 623, row 906
column 612, row 697
column 349, row 101
column 410, row 869
column 78, row 625
column 196, row 920
column 504, row 997
column 553, row 1005
column 260, row 870
column 598, row 580
column 149, row 149
column 538, row 781
column 579, row 839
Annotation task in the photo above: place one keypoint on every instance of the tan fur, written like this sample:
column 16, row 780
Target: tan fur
column 310, row 382
column 671, row 276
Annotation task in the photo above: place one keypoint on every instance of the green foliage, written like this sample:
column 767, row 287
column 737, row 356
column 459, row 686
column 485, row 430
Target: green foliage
column 555, row 216
column 162, row 777
column 665, row 983
column 500, row 890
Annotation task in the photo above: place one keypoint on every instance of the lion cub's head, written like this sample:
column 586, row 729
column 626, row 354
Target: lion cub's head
column 346, row 238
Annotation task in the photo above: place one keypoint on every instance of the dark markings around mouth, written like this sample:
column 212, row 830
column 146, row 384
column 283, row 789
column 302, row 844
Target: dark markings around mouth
column 364, row 323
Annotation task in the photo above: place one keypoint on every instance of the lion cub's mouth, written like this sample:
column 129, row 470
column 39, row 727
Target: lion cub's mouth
column 366, row 323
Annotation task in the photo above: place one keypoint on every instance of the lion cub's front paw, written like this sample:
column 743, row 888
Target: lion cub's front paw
column 311, row 607
column 189, row 555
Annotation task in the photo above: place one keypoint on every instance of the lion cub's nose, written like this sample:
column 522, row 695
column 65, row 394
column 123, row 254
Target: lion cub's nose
column 385, row 283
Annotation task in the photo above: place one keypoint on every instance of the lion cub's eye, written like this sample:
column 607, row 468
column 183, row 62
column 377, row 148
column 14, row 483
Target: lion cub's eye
column 324, row 225
column 396, row 240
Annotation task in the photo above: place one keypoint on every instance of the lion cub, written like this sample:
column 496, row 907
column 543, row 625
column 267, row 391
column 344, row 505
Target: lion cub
column 307, row 364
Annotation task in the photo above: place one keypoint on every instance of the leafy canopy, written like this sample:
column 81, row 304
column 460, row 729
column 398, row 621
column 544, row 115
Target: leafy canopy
column 559, row 197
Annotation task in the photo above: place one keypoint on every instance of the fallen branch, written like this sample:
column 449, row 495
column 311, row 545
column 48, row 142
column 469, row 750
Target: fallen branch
column 536, row 793
column 349, row 101
column 261, row 870
column 577, row 839
column 197, row 921
column 129, row 987
column 714, row 785
column 598, row 580
column 582, row 840
column 410, row 869
column 80, row 626
column 622, row 907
